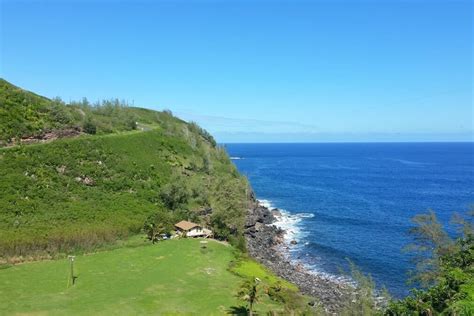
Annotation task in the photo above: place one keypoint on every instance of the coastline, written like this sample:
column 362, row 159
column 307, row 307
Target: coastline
column 266, row 243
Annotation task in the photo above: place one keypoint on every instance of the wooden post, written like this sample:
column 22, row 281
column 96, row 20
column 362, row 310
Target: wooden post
column 72, row 277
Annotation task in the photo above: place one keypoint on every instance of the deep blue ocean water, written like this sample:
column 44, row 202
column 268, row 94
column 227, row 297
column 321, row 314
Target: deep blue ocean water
column 355, row 200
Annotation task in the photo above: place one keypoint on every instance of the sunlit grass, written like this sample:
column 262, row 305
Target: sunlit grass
column 175, row 276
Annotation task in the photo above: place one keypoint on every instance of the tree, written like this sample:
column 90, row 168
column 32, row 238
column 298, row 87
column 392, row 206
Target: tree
column 85, row 103
column 362, row 299
column 168, row 112
column 248, row 292
column 175, row 193
column 229, row 205
column 131, row 123
column 158, row 223
column 452, row 292
column 431, row 242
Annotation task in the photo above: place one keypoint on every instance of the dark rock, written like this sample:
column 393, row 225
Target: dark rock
column 51, row 135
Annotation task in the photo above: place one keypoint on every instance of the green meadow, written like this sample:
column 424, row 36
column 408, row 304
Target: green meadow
column 171, row 277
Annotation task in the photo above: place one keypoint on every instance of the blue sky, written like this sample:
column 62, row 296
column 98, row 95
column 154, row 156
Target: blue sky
column 258, row 71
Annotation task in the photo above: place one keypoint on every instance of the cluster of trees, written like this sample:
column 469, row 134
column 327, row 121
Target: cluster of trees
column 194, row 127
column 220, row 189
column 443, row 278
column 106, row 116
column 160, row 222
column 175, row 194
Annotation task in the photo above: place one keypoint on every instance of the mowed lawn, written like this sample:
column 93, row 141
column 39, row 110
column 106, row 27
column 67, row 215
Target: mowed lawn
column 171, row 277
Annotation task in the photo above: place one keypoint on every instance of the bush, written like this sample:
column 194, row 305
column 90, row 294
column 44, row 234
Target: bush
column 131, row 124
column 292, row 299
column 451, row 271
column 89, row 127
column 238, row 242
column 174, row 194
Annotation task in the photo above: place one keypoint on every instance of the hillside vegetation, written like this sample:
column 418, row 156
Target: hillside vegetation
column 25, row 116
column 77, row 193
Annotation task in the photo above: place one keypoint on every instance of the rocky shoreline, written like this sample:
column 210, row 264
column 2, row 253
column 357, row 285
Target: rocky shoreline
column 266, row 244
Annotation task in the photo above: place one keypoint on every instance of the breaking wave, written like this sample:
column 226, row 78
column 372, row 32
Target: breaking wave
column 290, row 223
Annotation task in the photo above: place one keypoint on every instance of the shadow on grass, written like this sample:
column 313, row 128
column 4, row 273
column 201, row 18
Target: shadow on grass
column 237, row 310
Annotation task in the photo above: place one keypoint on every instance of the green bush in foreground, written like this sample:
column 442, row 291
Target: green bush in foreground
column 445, row 275
column 449, row 268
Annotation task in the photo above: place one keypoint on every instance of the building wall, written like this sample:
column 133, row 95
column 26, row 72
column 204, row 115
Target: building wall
column 198, row 231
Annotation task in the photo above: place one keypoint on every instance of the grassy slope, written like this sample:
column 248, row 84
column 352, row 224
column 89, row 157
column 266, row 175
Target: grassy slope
column 46, row 208
column 174, row 276
column 25, row 114
column 250, row 268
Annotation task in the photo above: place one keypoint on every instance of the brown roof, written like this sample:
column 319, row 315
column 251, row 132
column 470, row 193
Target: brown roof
column 185, row 225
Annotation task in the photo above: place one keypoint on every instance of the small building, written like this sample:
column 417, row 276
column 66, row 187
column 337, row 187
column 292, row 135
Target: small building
column 192, row 229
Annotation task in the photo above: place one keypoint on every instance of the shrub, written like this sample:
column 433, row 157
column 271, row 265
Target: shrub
column 292, row 299
column 174, row 194
column 450, row 270
column 89, row 127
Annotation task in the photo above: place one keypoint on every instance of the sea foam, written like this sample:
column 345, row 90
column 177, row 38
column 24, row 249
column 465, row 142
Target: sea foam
column 290, row 223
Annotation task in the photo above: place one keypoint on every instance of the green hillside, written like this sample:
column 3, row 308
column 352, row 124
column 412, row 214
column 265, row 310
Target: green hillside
column 28, row 116
column 24, row 113
column 78, row 193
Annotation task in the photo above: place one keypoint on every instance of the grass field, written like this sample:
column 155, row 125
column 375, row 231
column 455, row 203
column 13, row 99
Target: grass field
column 172, row 277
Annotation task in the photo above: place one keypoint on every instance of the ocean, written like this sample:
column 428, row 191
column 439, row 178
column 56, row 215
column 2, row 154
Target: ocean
column 355, row 200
